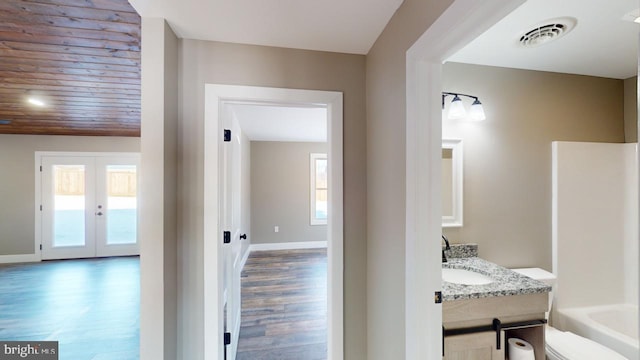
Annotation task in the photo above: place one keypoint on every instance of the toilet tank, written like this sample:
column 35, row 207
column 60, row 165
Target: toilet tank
column 538, row 274
column 543, row 276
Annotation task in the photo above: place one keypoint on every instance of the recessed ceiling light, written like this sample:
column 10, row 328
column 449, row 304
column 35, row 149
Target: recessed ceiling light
column 36, row 102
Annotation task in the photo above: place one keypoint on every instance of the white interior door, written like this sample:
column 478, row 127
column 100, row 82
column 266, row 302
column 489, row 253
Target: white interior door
column 88, row 205
column 232, row 223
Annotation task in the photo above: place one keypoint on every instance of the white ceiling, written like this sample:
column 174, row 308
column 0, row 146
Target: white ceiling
column 350, row 26
column 282, row 123
column 601, row 44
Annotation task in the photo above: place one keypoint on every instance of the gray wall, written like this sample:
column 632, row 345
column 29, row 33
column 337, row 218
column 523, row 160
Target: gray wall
column 631, row 109
column 280, row 192
column 386, row 105
column 221, row 63
column 507, row 157
column 17, row 227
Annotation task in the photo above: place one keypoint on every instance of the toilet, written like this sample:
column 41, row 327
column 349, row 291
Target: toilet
column 565, row 345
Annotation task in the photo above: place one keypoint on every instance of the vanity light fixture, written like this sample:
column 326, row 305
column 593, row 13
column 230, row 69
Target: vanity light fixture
column 457, row 110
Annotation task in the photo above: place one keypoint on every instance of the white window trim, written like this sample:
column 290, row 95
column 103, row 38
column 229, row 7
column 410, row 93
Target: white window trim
column 312, row 189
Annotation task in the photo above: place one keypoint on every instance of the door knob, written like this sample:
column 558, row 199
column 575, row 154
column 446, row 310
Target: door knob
column 99, row 213
column 243, row 237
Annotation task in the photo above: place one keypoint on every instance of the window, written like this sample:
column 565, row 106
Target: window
column 318, row 181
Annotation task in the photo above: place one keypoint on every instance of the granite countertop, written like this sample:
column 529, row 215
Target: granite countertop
column 506, row 282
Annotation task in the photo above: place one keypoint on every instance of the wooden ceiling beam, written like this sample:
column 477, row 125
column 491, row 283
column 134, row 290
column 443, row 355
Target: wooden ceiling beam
column 65, row 22
column 72, row 50
column 76, row 97
column 50, row 9
column 70, row 65
column 67, row 77
column 72, row 58
column 90, row 4
column 37, row 30
column 22, row 67
column 15, row 101
column 133, row 45
column 76, row 86
column 90, row 130
column 95, row 118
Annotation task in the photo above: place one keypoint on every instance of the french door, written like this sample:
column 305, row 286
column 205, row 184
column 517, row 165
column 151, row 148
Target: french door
column 88, row 204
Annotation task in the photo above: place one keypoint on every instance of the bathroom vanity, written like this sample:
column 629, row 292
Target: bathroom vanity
column 485, row 304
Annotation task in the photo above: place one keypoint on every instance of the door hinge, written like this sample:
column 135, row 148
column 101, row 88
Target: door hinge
column 40, row 168
column 227, row 338
column 40, row 246
column 226, row 237
column 40, row 207
column 227, row 135
column 438, row 297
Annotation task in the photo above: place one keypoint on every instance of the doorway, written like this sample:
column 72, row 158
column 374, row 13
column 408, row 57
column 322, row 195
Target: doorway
column 86, row 204
column 216, row 99
column 462, row 22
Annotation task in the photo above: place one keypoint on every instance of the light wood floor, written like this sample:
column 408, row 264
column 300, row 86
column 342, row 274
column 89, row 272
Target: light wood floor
column 284, row 306
column 90, row 306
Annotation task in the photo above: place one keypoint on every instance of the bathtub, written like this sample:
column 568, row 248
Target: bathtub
column 614, row 326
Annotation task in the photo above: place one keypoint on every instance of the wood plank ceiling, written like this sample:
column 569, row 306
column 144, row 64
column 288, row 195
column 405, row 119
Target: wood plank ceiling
column 80, row 58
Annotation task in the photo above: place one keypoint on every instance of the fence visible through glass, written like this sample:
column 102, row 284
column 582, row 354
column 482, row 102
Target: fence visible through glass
column 122, row 203
column 69, row 205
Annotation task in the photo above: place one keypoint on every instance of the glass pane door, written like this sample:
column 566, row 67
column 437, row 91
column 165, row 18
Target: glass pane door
column 68, row 205
column 122, row 204
column 117, row 203
column 68, row 223
column 89, row 205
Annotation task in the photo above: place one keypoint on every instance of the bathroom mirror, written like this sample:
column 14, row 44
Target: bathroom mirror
column 451, row 183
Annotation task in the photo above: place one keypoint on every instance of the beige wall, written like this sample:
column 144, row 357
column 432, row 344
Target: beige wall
column 159, row 191
column 507, row 157
column 280, row 192
column 386, row 104
column 213, row 62
column 170, row 196
column 631, row 109
column 17, row 228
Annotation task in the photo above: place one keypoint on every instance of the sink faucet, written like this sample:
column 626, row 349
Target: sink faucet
column 447, row 247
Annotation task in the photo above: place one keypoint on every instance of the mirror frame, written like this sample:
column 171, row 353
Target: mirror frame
column 455, row 220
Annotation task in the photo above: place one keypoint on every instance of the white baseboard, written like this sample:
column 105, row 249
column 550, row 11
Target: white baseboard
column 288, row 246
column 23, row 258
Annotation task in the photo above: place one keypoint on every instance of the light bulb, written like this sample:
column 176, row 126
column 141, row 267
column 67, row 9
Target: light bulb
column 456, row 109
column 476, row 112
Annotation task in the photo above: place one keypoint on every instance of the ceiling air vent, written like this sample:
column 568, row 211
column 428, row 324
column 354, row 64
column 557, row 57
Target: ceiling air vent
column 546, row 32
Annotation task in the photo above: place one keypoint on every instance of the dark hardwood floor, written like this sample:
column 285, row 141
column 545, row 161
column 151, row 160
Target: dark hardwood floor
column 284, row 306
column 90, row 306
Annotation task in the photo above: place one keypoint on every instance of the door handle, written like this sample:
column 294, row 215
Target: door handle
column 99, row 213
column 243, row 237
